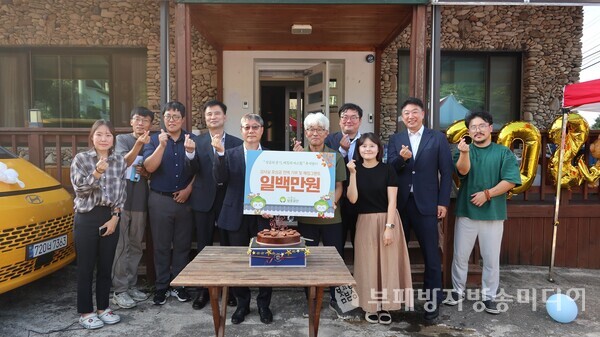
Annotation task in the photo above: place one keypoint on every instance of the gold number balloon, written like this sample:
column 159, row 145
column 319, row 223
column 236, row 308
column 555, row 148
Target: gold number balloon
column 577, row 134
column 531, row 138
column 592, row 174
column 456, row 131
column 523, row 131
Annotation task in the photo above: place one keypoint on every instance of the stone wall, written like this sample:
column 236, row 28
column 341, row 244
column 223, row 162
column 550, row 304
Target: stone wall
column 548, row 37
column 108, row 24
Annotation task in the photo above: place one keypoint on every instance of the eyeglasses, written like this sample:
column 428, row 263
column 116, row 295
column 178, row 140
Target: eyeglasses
column 316, row 130
column 138, row 120
column 173, row 117
column 350, row 118
column 254, row 127
column 480, row 127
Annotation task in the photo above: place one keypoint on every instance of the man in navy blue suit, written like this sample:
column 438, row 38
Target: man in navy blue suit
column 423, row 162
column 230, row 168
column 344, row 142
column 207, row 196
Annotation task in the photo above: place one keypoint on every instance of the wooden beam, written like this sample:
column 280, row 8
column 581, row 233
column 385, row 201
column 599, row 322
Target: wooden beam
column 183, row 60
column 418, row 49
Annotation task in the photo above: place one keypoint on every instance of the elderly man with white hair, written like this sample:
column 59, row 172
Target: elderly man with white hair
column 316, row 129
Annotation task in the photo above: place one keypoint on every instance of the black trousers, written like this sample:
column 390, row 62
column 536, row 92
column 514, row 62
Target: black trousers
column 94, row 252
column 331, row 236
column 251, row 225
column 349, row 217
column 204, row 223
column 426, row 231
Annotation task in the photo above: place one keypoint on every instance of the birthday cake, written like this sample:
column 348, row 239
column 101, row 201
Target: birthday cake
column 278, row 237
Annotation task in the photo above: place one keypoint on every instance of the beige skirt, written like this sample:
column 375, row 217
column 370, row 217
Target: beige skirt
column 382, row 273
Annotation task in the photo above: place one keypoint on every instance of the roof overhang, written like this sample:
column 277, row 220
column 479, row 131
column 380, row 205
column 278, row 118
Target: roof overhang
column 266, row 25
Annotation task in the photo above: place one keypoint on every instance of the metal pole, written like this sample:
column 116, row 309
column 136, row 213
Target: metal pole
column 561, row 153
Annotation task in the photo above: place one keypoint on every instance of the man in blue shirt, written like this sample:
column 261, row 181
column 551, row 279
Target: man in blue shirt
column 171, row 219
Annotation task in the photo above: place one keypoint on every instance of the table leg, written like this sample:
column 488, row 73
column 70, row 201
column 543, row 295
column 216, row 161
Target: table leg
column 315, row 299
column 219, row 315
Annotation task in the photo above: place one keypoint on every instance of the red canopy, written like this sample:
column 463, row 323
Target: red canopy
column 584, row 96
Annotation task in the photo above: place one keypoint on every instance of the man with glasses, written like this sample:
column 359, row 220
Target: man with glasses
column 230, row 169
column 171, row 220
column 316, row 128
column 345, row 142
column 421, row 157
column 134, row 214
column 207, row 195
column 487, row 171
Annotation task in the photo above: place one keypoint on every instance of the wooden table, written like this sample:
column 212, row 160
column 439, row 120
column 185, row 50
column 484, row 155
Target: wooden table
column 218, row 268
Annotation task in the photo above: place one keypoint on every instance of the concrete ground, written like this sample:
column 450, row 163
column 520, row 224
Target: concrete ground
column 47, row 308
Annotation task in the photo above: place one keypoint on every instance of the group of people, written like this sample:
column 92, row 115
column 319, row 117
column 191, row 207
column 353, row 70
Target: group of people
column 184, row 183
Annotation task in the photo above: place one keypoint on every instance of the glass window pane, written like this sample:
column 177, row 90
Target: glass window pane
column 462, row 87
column 315, row 79
column 503, row 83
column 315, row 97
column 14, row 89
column 71, row 90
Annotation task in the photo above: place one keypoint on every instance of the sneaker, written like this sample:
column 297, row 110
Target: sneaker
column 453, row 298
column 109, row 317
column 160, row 296
column 91, row 322
column 137, row 295
column 181, row 294
column 333, row 305
column 123, row 300
column 491, row 307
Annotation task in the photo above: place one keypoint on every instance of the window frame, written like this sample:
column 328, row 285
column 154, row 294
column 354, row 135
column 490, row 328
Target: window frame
column 516, row 95
column 110, row 53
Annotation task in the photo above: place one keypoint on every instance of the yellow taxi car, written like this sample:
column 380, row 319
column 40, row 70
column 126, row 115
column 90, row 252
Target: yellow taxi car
column 36, row 223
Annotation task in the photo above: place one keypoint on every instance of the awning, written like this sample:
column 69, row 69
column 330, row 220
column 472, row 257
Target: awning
column 584, row 96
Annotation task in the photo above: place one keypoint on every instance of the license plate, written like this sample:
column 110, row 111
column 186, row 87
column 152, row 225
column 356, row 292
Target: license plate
column 40, row 248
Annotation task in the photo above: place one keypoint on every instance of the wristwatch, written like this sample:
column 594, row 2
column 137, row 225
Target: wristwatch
column 390, row 225
column 117, row 214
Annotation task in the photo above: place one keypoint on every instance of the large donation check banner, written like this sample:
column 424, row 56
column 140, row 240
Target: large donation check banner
column 290, row 183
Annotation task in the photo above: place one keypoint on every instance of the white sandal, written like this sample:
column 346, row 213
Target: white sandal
column 109, row 317
column 91, row 322
column 371, row 317
column 385, row 317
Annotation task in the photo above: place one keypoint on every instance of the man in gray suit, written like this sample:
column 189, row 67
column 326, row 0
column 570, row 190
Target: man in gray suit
column 207, row 196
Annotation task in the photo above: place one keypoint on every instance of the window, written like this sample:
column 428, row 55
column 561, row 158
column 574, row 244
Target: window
column 72, row 88
column 473, row 81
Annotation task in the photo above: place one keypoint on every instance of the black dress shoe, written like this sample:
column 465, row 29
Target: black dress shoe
column 200, row 301
column 266, row 316
column 432, row 311
column 239, row 315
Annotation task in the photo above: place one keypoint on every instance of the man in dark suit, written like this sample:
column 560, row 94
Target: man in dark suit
column 230, row 168
column 422, row 160
column 344, row 142
column 207, row 196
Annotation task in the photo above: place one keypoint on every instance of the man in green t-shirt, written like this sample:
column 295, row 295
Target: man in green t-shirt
column 316, row 128
column 487, row 171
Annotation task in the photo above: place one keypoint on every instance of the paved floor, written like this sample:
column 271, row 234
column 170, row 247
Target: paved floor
column 47, row 308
